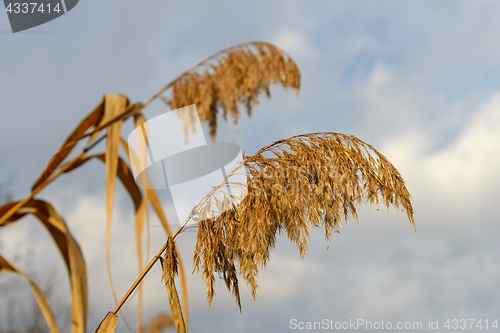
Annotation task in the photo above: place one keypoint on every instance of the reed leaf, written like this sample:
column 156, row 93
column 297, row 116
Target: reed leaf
column 128, row 181
column 139, row 226
column 108, row 324
column 311, row 180
column 113, row 106
column 131, row 110
column 152, row 196
column 140, row 204
column 43, row 303
column 91, row 120
column 70, row 252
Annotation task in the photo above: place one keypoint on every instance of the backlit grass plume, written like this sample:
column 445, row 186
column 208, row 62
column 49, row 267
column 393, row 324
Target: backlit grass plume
column 311, row 180
column 235, row 75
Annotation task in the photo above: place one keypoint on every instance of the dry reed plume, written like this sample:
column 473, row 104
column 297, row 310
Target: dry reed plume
column 233, row 76
column 311, row 180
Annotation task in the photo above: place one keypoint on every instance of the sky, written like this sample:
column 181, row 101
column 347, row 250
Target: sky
column 417, row 80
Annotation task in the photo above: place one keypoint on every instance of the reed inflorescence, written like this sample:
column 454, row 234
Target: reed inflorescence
column 311, row 180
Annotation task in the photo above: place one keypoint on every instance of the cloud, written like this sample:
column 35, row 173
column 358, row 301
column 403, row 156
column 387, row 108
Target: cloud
column 295, row 43
column 388, row 294
column 464, row 172
column 469, row 166
column 284, row 274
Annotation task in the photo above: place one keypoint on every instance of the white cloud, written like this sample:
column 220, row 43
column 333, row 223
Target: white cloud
column 281, row 279
column 388, row 294
column 464, row 172
column 472, row 162
column 295, row 43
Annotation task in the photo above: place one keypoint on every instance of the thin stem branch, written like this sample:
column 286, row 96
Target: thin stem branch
column 158, row 255
column 139, row 279
column 148, row 268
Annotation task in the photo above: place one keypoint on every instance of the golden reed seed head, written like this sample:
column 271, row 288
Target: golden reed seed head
column 311, row 180
column 236, row 75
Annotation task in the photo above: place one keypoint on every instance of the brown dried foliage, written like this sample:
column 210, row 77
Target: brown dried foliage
column 169, row 265
column 235, row 75
column 312, row 180
column 71, row 254
column 169, row 262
